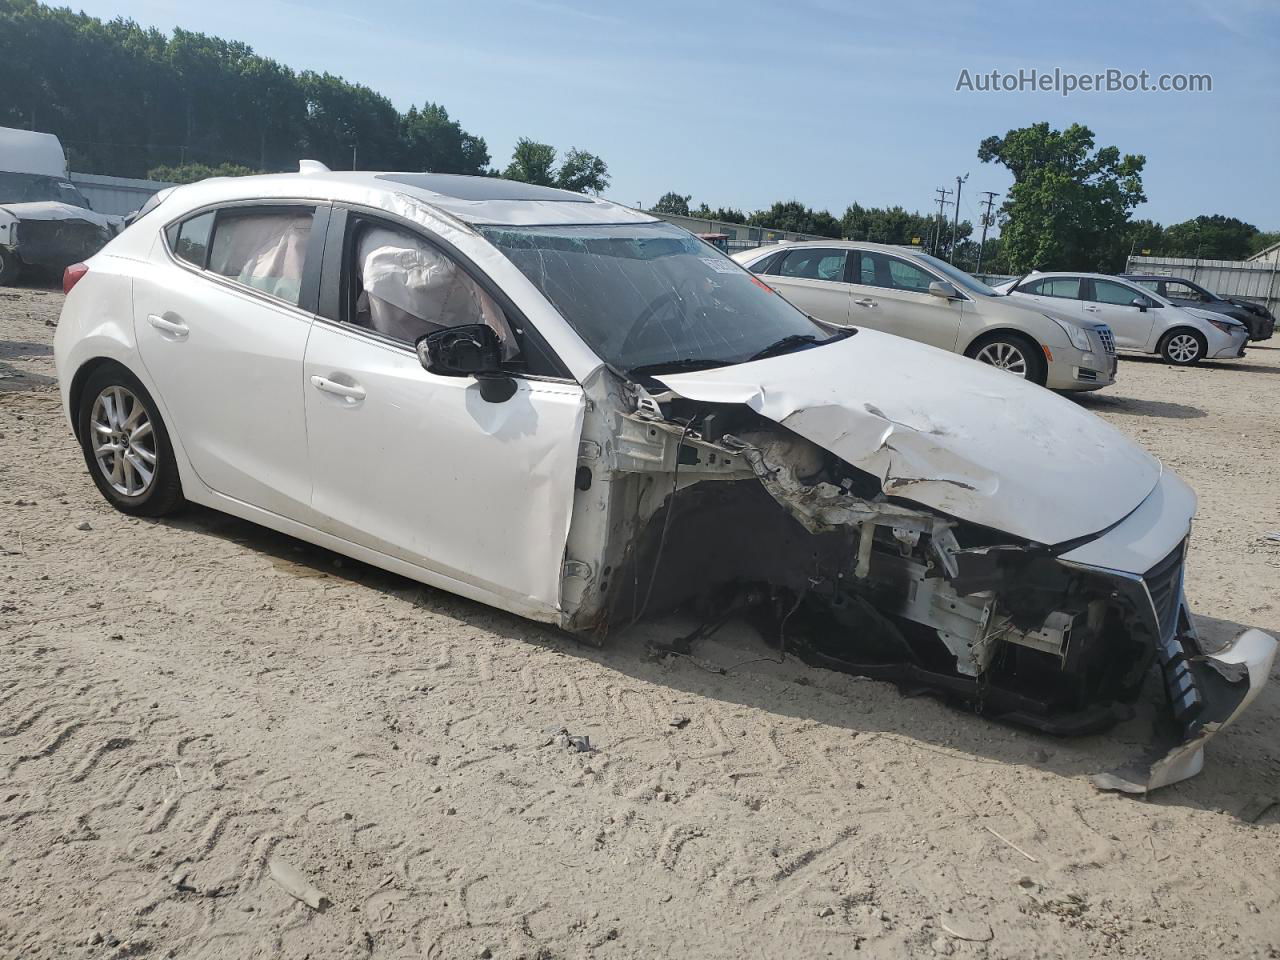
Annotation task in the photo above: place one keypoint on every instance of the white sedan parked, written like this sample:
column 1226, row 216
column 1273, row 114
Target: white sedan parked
column 1142, row 320
column 583, row 415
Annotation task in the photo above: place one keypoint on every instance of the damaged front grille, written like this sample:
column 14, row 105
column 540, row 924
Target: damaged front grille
column 1164, row 586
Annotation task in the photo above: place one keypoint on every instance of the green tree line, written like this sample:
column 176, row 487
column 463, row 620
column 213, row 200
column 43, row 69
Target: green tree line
column 127, row 101
column 1070, row 208
column 876, row 224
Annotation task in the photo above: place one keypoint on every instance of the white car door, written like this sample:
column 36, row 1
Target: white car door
column 1111, row 303
column 813, row 278
column 892, row 294
column 221, row 332
column 420, row 466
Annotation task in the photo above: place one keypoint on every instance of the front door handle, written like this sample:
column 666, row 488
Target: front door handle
column 1092, row 310
column 352, row 394
column 174, row 328
column 865, row 302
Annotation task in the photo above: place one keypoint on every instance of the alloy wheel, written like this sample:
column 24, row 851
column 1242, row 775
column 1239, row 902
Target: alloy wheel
column 1004, row 355
column 124, row 443
column 1183, row 348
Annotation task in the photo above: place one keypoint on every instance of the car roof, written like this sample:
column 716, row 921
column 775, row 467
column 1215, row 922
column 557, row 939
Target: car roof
column 474, row 200
column 898, row 249
column 1082, row 273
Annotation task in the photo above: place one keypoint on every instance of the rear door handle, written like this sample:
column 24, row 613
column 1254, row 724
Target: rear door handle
column 175, row 328
column 865, row 302
column 351, row 394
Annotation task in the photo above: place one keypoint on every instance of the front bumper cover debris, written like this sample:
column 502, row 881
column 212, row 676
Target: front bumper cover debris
column 1207, row 692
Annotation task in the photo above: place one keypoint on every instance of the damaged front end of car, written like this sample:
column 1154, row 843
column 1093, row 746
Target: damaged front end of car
column 721, row 509
column 50, row 236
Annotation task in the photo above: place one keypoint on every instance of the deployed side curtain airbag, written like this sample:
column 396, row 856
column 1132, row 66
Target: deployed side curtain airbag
column 265, row 251
column 412, row 289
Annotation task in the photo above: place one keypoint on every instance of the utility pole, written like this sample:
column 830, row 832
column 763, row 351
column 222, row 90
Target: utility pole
column 987, row 221
column 353, row 156
column 955, row 224
column 935, row 235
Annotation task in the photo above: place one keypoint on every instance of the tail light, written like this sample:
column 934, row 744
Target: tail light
column 71, row 276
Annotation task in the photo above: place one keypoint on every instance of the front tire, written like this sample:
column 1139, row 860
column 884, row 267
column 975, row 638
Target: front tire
column 1012, row 353
column 126, row 445
column 1182, row 348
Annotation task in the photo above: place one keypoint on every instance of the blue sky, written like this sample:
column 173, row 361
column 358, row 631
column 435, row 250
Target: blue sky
column 825, row 101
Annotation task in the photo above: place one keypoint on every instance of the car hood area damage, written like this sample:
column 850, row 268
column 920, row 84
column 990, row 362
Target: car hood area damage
column 898, row 512
column 962, row 438
column 49, row 234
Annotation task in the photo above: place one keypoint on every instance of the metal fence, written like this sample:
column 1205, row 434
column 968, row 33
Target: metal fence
column 1256, row 280
column 118, row 196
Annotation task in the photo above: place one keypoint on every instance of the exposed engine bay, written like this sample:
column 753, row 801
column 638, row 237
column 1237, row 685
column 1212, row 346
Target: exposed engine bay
column 716, row 511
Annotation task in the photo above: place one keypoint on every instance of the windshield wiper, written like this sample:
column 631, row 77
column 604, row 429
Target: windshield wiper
column 687, row 363
column 795, row 340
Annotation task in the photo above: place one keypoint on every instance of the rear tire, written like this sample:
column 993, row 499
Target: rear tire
column 1183, row 347
column 126, row 446
column 1012, row 352
column 10, row 267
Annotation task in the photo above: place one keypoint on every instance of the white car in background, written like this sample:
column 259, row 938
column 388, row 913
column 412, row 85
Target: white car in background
column 1142, row 320
column 908, row 293
column 583, row 415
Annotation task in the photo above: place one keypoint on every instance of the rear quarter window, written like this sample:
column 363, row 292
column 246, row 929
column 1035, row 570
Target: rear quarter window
column 189, row 240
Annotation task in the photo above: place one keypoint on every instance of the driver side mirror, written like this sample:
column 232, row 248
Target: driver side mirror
column 1140, row 303
column 468, row 350
column 940, row 288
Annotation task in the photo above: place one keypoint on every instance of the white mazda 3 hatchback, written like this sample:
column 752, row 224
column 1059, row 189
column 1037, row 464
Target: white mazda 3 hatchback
column 578, row 413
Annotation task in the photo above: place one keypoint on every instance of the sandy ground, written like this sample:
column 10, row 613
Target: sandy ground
column 183, row 701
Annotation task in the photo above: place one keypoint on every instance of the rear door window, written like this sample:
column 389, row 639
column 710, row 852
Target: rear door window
column 813, row 264
column 1066, row 288
column 264, row 248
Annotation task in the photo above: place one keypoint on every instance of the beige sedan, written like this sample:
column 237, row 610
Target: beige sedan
column 905, row 292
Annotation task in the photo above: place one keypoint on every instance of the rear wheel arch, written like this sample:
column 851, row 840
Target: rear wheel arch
column 79, row 379
column 130, row 442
